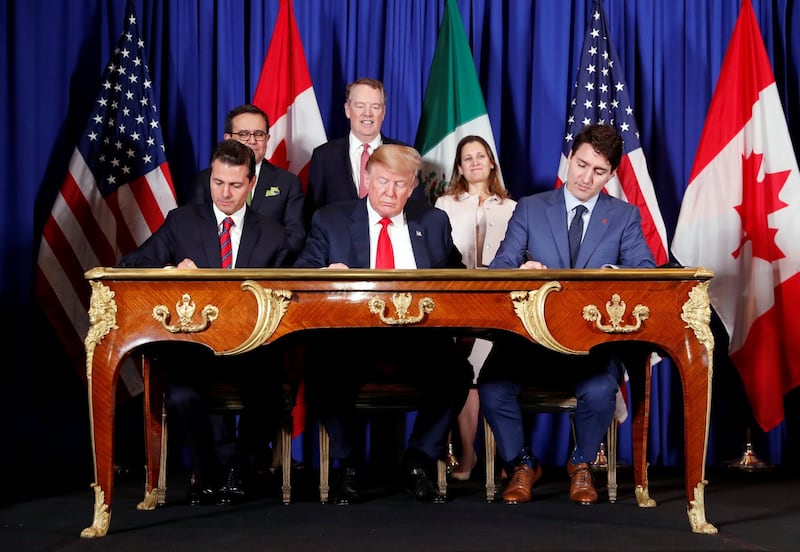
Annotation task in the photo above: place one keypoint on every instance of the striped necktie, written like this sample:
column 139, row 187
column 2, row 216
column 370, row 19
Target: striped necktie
column 225, row 247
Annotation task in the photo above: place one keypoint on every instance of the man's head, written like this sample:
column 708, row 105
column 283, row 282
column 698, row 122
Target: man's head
column 391, row 177
column 593, row 160
column 233, row 171
column 249, row 124
column 365, row 107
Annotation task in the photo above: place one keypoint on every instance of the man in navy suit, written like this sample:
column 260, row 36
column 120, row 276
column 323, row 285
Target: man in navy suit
column 189, row 238
column 334, row 173
column 278, row 193
column 607, row 234
column 346, row 235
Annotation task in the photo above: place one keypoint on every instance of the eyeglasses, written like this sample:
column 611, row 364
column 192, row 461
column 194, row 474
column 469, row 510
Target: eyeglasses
column 244, row 135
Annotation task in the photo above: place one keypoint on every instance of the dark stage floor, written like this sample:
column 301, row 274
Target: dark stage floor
column 753, row 511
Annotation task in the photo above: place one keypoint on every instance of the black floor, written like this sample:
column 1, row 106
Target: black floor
column 752, row 511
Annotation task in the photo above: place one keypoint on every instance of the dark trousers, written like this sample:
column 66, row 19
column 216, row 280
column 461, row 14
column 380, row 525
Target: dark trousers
column 339, row 362
column 212, row 442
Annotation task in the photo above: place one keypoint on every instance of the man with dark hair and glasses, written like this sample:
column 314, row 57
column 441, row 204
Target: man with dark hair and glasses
column 277, row 194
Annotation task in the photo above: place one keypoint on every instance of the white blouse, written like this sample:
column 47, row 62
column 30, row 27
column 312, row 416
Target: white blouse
column 477, row 229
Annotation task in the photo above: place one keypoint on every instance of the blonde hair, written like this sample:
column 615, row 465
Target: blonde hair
column 397, row 158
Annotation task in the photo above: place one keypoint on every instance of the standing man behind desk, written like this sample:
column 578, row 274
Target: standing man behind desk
column 192, row 237
column 574, row 226
column 278, row 193
column 349, row 235
column 335, row 172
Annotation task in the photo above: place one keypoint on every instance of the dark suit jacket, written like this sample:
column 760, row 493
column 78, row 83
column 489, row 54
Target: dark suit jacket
column 330, row 175
column 340, row 234
column 191, row 232
column 278, row 195
column 539, row 227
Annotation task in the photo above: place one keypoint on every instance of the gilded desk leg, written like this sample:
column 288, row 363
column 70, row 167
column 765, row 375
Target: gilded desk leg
column 640, row 421
column 491, row 450
column 102, row 516
column 155, row 424
column 101, row 409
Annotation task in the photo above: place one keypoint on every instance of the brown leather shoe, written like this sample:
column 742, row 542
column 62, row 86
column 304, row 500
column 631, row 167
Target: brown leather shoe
column 518, row 490
column 581, row 486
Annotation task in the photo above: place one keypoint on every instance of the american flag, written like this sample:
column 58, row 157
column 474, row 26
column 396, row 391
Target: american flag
column 116, row 193
column 601, row 96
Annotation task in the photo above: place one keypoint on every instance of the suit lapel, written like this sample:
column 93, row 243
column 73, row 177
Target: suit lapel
column 556, row 213
column 208, row 234
column 419, row 245
column 251, row 233
column 359, row 235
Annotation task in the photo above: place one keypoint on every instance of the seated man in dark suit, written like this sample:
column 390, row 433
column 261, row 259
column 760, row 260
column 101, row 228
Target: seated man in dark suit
column 575, row 226
column 277, row 193
column 225, row 233
column 336, row 169
column 354, row 234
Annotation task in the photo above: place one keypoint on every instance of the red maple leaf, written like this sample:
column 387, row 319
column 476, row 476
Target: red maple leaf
column 759, row 199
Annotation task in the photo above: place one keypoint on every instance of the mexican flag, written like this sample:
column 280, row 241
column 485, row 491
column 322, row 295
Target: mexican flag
column 453, row 106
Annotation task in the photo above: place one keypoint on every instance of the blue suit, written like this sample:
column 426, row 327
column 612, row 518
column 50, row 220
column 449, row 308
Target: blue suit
column 538, row 230
column 191, row 232
column 426, row 359
column 330, row 175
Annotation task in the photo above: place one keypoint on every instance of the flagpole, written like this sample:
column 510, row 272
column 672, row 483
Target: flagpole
column 749, row 461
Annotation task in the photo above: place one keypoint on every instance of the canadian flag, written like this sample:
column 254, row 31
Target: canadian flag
column 740, row 217
column 285, row 92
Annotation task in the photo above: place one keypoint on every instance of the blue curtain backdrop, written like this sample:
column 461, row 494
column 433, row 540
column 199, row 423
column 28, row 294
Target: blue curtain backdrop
column 206, row 56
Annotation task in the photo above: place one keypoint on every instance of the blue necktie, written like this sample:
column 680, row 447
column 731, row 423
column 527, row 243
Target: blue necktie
column 575, row 234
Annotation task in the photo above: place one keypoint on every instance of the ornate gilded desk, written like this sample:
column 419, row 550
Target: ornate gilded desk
column 571, row 311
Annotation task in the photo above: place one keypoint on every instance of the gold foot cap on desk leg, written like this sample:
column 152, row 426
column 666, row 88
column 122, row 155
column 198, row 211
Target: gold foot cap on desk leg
column 102, row 516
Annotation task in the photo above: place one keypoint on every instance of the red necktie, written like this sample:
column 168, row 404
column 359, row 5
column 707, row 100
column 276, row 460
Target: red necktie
column 385, row 254
column 225, row 248
column 362, row 183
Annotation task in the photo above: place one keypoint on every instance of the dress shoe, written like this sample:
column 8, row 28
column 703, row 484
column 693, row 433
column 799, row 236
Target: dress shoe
column 420, row 486
column 349, row 490
column 463, row 470
column 232, row 490
column 518, row 490
column 199, row 496
column 581, row 486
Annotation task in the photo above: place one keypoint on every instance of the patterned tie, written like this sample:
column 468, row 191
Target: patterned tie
column 575, row 234
column 385, row 254
column 362, row 183
column 225, row 247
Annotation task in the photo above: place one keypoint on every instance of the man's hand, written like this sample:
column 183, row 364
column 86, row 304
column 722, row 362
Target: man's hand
column 186, row 263
column 532, row 265
column 336, row 265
